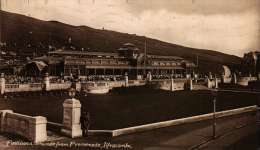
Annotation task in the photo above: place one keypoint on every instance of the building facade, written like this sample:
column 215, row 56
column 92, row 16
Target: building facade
column 127, row 59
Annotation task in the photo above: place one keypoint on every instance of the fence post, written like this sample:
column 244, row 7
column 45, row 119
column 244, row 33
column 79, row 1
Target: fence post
column 2, row 84
column 235, row 78
column 191, row 84
column 126, row 80
column 209, row 85
column 46, row 82
column 216, row 82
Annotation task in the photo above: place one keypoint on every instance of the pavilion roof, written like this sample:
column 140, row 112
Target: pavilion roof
column 70, row 52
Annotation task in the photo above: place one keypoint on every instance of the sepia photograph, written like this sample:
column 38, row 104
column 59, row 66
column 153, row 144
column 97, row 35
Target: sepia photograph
column 129, row 74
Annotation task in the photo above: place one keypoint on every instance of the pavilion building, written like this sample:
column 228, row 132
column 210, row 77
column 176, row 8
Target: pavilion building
column 127, row 59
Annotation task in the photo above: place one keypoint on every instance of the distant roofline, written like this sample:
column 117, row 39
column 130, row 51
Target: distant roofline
column 70, row 52
column 165, row 56
column 125, row 49
column 129, row 44
column 82, row 52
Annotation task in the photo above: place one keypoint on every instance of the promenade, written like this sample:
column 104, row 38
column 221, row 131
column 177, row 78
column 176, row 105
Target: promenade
column 236, row 132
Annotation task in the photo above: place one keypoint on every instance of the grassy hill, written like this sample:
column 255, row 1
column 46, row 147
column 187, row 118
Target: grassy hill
column 18, row 30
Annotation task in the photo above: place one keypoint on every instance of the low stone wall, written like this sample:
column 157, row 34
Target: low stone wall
column 59, row 86
column 115, row 84
column 226, row 80
column 244, row 80
column 166, row 85
column 136, row 82
column 181, row 121
column 9, row 88
column 152, row 126
column 32, row 128
column 12, row 88
column 211, row 83
column 200, row 86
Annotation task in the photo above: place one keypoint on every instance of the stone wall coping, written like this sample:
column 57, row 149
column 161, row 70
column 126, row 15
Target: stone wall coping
column 6, row 111
column 72, row 103
column 192, row 119
column 40, row 120
column 33, row 120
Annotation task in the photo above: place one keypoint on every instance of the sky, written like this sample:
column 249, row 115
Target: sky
column 228, row 26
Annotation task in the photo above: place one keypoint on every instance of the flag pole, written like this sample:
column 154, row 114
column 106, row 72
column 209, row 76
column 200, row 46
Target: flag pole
column 1, row 25
column 145, row 55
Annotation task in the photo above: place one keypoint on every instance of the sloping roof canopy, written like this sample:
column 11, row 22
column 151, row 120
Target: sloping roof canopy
column 49, row 59
column 68, row 52
column 227, row 72
column 39, row 64
column 129, row 44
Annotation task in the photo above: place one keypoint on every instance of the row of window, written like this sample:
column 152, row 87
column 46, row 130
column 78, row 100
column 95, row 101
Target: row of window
column 159, row 63
column 96, row 62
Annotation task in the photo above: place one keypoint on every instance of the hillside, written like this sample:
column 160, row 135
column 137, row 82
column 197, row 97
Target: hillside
column 19, row 30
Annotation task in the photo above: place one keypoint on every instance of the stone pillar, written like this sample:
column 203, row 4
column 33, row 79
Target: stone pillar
column 235, row 78
column 46, row 82
column 71, row 118
column 216, row 82
column 210, row 76
column 114, row 78
column 2, row 119
column 126, row 80
column 38, row 129
column 2, row 84
column 149, row 76
column 190, row 84
column 250, row 76
column 196, row 78
column 172, row 84
column 209, row 85
column 78, row 86
column 188, row 76
column 223, row 78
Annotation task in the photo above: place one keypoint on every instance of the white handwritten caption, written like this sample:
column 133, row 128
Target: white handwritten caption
column 72, row 144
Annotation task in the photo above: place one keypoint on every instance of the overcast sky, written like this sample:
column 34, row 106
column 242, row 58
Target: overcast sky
column 229, row 26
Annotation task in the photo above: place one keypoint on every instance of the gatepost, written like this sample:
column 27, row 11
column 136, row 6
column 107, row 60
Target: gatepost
column 71, row 116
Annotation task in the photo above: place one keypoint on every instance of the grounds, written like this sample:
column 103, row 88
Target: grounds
column 132, row 106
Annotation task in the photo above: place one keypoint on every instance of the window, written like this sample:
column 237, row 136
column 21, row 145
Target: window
column 162, row 64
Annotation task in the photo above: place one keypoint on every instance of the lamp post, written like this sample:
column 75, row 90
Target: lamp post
column 214, row 93
column 72, row 93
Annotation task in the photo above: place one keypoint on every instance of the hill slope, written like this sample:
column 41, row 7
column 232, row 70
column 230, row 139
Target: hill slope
column 21, row 29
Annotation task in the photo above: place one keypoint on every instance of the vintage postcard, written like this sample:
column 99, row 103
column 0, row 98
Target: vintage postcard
column 129, row 74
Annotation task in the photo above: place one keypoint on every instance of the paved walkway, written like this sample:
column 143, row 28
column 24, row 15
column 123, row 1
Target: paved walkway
column 234, row 133
column 192, row 136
